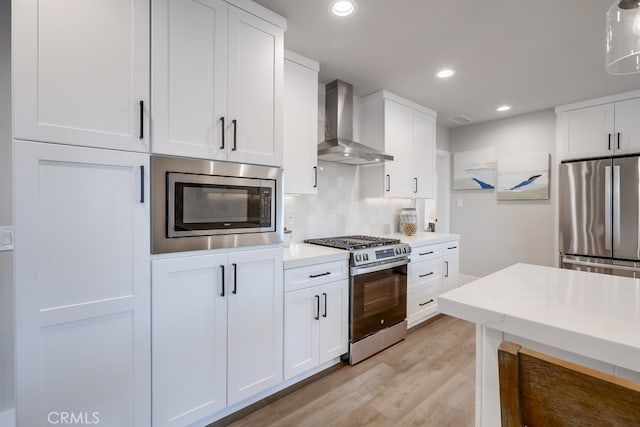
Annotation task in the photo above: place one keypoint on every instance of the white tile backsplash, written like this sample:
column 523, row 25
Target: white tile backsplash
column 338, row 209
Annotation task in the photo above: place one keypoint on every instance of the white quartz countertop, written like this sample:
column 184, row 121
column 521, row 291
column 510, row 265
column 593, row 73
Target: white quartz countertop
column 424, row 238
column 303, row 254
column 591, row 314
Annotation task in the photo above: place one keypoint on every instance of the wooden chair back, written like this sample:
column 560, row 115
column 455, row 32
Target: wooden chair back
column 540, row 390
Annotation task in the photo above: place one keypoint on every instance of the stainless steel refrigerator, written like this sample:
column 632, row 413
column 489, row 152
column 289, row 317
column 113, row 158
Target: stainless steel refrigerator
column 600, row 214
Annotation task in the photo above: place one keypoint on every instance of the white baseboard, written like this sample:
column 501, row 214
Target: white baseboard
column 464, row 279
column 8, row 418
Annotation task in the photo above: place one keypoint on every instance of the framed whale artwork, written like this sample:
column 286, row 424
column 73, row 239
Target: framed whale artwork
column 474, row 170
column 523, row 177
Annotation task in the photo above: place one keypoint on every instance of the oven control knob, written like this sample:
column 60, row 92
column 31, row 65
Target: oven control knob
column 359, row 257
column 397, row 251
column 404, row 250
column 365, row 257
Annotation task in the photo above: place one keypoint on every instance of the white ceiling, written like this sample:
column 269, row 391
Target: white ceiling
column 531, row 54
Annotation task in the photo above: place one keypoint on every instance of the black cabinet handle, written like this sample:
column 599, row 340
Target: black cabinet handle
column 618, row 140
column 141, row 183
column 446, row 263
column 223, row 281
column 313, row 276
column 425, row 275
column 234, row 122
column 416, row 190
column 609, row 141
column 315, row 179
column 388, row 182
column 223, row 132
column 422, row 304
column 317, row 307
column 426, row 253
column 324, row 294
column 452, row 247
column 235, row 279
column 141, row 136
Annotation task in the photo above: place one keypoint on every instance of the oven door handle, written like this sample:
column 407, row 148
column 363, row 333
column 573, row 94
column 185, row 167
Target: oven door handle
column 356, row 271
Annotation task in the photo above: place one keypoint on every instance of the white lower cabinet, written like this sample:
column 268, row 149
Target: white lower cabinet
column 316, row 318
column 432, row 271
column 217, row 332
column 451, row 278
column 81, row 285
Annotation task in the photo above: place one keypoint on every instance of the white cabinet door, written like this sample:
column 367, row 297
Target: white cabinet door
column 398, row 142
column 82, row 283
column 255, row 315
column 189, row 78
column 81, row 69
column 300, row 152
column 334, row 319
column 255, row 82
column 451, row 272
column 588, row 132
column 301, row 331
column 424, row 154
column 627, row 126
column 189, row 339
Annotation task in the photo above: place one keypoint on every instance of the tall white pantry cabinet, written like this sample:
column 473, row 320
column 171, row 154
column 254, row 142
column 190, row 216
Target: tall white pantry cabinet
column 82, row 137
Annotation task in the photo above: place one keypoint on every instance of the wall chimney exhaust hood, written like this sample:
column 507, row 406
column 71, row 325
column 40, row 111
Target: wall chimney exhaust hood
column 339, row 145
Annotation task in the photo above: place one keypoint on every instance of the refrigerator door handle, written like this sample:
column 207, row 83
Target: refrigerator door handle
column 607, row 207
column 616, row 207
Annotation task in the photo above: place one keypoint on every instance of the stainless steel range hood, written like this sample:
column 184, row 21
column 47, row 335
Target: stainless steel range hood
column 339, row 145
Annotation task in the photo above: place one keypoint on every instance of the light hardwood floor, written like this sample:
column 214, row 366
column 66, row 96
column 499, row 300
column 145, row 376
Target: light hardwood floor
column 426, row 380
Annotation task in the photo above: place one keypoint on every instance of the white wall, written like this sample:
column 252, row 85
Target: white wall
column 6, row 206
column 496, row 234
column 442, row 138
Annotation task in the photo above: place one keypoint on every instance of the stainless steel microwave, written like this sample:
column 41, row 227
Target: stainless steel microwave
column 205, row 204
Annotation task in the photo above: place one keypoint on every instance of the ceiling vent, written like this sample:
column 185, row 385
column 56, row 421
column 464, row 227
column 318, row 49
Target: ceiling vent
column 461, row 120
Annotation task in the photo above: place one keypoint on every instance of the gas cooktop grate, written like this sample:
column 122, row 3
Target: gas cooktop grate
column 353, row 242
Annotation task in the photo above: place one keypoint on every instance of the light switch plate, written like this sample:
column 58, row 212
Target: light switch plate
column 460, row 203
column 6, row 238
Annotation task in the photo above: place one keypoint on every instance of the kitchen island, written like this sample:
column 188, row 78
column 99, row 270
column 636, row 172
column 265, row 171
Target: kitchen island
column 587, row 318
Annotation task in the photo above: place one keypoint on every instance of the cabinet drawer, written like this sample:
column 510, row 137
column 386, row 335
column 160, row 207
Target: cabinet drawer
column 424, row 272
column 421, row 253
column 451, row 247
column 312, row 275
column 423, row 300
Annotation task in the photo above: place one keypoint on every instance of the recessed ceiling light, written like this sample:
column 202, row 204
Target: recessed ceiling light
column 443, row 74
column 503, row 108
column 343, row 8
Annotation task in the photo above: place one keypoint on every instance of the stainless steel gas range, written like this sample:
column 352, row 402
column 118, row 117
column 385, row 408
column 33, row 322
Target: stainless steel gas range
column 378, row 292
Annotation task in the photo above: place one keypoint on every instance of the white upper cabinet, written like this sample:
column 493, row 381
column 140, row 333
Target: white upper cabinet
column 406, row 131
column 424, row 155
column 189, row 81
column 627, row 126
column 217, row 81
column 602, row 127
column 81, row 72
column 398, row 142
column 300, row 154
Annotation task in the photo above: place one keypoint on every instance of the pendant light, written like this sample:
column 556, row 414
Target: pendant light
column 623, row 37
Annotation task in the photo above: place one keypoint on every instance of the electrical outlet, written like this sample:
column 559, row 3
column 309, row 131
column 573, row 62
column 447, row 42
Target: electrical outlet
column 290, row 220
column 460, row 203
column 6, row 238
